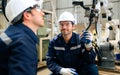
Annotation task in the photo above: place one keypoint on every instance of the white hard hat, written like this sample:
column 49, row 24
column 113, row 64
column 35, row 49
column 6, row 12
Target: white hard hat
column 67, row 16
column 40, row 3
column 16, row 7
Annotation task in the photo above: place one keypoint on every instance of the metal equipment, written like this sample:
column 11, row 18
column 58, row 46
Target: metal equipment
column 107, row 55
column 100, row 15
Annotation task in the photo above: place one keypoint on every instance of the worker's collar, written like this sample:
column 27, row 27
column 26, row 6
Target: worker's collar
column 28, row 31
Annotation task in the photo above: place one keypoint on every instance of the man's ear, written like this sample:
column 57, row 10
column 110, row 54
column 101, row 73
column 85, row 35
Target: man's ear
column 26, row 15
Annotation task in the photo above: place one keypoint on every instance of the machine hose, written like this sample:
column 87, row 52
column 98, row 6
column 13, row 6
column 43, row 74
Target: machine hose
column 4, row 3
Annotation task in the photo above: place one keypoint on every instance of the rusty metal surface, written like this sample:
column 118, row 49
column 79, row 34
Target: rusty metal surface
column 108, row 73
column 115, row 71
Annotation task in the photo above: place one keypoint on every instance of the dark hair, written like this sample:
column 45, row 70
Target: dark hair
column 72, row 23
column 17, row 19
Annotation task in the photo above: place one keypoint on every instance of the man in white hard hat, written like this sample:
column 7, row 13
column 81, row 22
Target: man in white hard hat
column 68, row 52
column 18, row 51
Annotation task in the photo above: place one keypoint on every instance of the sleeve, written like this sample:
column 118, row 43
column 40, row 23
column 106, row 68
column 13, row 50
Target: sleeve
column 88, row 56
column 23, row 59
column 51, row 59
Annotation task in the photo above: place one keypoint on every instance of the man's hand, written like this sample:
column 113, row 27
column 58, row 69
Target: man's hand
column 87, row 37
column 68, row 71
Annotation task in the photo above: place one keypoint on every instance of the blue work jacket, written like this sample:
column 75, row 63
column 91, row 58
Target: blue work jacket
column 69, row 55
column 18, row 52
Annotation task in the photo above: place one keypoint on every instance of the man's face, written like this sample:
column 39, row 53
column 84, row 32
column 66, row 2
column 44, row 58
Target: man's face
column 66, row 27
column 37, row 17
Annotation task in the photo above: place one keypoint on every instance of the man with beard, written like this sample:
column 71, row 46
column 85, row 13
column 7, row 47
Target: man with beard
column 70, row 53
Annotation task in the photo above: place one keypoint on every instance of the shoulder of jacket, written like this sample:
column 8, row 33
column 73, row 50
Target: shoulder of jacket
column 55, row 39
column 77, row 35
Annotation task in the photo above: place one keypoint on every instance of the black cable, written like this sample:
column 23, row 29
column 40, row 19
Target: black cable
column 4, row 3
column 92, row 14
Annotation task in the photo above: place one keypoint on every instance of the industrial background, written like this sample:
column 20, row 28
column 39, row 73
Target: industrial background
column 106, row 39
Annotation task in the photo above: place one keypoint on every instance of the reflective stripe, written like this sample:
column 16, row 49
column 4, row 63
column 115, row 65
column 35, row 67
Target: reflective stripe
column 50, row 57
column 75, row 47
column 5, row 38
column 83, row 50
column 59, row 48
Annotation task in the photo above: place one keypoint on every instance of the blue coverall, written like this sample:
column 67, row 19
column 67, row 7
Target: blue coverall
column 70, row 55
column 18, row 52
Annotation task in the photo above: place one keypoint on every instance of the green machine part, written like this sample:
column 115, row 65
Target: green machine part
column 45, row 48
column 42, row 33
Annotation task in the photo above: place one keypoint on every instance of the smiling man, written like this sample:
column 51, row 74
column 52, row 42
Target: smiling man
column 70, row 54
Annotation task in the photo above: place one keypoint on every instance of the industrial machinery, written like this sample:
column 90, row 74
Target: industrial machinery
column 45, row 34
column 107, row 31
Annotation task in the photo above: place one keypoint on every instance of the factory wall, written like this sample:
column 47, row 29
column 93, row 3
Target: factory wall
column 66, row 5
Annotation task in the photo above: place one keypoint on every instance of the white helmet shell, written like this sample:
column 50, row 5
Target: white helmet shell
column 15, row 7
column 67, row 16
column 40, row 3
